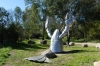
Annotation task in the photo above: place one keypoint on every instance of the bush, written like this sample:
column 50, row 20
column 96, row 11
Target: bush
column 94, row 30
column 12, row 34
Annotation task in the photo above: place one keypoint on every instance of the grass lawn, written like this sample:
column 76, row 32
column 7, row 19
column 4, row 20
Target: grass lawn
column 14, row 55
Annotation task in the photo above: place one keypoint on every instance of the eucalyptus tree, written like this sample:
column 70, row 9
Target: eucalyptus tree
column 57, row 9
column 51, row 8
column 86, row 11
column 3, row 22
column 18, row 14
column 31, row 20
column 3, row 15
column 11, row 16
column 38, row 15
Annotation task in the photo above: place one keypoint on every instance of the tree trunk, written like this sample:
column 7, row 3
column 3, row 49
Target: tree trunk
column 1, row 40
column 43, row 29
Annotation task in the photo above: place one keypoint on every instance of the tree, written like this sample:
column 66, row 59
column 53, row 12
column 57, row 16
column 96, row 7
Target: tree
column 47, row 8
column 31, row 20
column 84, row 10
column 36, row 16
column 10, row 31
column 93, row 30
column 14, row 33
column 11, row 16
column 3, row 22
column 18, row 14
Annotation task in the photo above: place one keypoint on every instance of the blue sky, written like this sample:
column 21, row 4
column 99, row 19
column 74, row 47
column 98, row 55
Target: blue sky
column 11, row 4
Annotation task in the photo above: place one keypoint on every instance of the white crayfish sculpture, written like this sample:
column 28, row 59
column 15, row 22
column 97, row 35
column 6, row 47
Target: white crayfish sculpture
column 56, row 43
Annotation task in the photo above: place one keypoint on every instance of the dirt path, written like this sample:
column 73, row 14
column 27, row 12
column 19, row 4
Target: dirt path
column 89, row 44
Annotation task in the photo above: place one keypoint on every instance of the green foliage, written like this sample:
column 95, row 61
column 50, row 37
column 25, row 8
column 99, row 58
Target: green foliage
column 94, row 30
column 44, row 8
column 10, row 31
column 74, row 55
column 31, row 20
column 88, row 8
column 12, row 34
column 88, row 30
column 35, row 15
column 18, row 14
column 3, row 13
column 3, row 22
column 4, row 54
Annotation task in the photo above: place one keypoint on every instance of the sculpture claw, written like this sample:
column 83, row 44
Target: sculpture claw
column 47, row 21
column 68, row 21
column 46, row 26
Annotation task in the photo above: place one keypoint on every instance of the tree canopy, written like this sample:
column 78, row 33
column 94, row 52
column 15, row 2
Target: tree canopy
column 32, row 20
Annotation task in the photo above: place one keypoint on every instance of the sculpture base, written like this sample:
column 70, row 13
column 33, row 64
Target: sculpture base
column 56, row 42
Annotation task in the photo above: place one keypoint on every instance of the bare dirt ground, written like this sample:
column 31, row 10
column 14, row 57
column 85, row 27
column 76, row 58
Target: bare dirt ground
column 88, row 43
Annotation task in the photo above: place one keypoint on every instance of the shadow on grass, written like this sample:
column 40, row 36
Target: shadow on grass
column 23, row 46
column 75, row 51
column 71, row 51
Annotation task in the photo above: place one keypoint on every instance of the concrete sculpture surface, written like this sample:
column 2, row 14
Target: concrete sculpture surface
column 56, row 43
